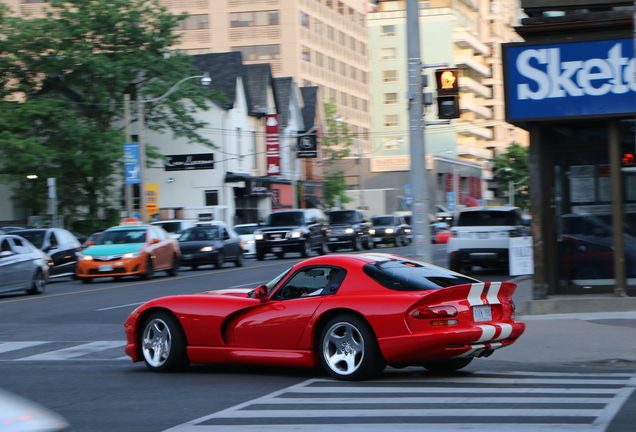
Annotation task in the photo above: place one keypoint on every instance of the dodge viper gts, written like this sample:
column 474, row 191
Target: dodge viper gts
column 352, row 315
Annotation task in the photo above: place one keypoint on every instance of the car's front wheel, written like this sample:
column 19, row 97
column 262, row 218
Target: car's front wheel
column 239, row 259
column 174, row 269
column 150, row 270
column 348, row 349
column 357, row 243
column 448, row 365
column 163, row 343
column 38, row 284
column 220, row 259
column 305, row 250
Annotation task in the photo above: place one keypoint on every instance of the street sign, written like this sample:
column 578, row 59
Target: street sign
column 131, row 163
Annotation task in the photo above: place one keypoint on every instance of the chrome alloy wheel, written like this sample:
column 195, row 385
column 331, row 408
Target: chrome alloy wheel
column 343, row 348
column 156, row 342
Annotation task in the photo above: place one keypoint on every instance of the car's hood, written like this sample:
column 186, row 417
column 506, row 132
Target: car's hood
column 114, row 249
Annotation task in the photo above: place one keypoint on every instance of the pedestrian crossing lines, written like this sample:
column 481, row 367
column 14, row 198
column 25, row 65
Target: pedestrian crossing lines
column 499, row 402
column 55, row 351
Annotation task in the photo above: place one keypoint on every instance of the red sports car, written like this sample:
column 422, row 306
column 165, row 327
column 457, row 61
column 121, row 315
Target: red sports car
column 350, row 314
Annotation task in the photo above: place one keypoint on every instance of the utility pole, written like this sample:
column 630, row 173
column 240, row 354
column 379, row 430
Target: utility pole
column 128, row 188
column 419, row 184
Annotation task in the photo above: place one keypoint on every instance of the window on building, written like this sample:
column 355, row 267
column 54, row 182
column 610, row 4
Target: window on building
column 425, row 4
column 305, row 54
column 343, row 99
column 195, row 22
column 363, row 48
column 388, row 53
column 304, row 20
column 259, row 52
column 352, row 14
column 249, row 19
column 320, row 59
column 389, row 76
column 211, row 197
column 329, row 3
column 354, row 102
column 390, row 120
column 390, row 98
column 387, row 31
column 341, row 8
column 341, row 38
column 318, row 27
column 331, row 34
column 365, row 105
column 353, row 73
column 343, row 69
column 364, row 77
column 352, row 43
column 332, row 95
column 331, row 64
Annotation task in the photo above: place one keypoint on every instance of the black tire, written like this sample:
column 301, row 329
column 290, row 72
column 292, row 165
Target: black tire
column 239, row 259
column 349, row 335
column 323, row 249
column 260, row 255
column 194, row 267
column 150, row 270
column 368, row 244
column 332, row 248
column 280, row 255
column 117, row 278
column 356, row 244
column 163, row 343
column 38, row 284
column 86, row 280
column 448, row 365
column 305, row 249
column 220, row 260
column 174, row 269
column 453, row 264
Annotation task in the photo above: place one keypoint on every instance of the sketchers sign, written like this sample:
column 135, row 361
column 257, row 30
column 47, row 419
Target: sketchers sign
column 570, row 79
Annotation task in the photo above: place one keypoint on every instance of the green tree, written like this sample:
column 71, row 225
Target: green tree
column 63, row 79
column 337, row 141
column 512, row 166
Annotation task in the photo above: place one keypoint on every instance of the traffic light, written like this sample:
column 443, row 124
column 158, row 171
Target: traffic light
column 447, row 93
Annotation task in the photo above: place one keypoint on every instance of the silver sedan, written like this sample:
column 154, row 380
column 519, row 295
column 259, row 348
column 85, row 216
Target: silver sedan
column 23, row 267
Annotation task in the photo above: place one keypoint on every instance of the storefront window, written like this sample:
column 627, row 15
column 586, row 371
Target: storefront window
column 628, row 178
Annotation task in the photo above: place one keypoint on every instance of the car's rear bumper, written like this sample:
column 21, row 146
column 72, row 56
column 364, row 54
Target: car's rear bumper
column 486, row 256
column 199, row 258
column 295, row 245
column 475, row 340
column 121, row 267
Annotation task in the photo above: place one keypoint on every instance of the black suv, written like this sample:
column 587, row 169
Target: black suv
column 284, row 231
column 390, row 229
column 349, row 229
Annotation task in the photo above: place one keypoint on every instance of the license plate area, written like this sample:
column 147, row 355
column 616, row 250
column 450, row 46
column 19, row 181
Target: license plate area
column 277, row 249
column 333, row 239
column 482, row 313
column 482, row 235
column 106, row 268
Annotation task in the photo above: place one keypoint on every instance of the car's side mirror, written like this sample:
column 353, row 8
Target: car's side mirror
column 5, row 254
column 261, row 293
column 89, row 243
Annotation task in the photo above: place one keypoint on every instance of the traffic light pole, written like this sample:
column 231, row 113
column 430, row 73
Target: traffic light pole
column 419, row 183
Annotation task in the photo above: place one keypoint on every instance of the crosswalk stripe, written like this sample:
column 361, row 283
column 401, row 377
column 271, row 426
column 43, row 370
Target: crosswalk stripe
column 75, row 351
column 13, row 346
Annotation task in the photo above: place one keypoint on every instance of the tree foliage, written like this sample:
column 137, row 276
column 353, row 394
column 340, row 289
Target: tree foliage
column 62, row 81
column 337, row 141
column 512, row 166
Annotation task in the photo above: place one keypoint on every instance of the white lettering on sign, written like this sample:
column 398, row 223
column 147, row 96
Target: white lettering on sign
column 593, row 77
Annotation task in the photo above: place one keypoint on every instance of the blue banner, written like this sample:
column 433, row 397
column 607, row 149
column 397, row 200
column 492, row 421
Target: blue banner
column 571, row 79
column 131, row 163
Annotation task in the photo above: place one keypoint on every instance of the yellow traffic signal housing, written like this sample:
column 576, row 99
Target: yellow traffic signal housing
column 447, row 81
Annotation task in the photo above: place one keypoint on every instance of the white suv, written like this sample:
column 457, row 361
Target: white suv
column 480, row 236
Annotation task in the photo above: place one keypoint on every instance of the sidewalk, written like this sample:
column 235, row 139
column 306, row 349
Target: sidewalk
column 594, row 330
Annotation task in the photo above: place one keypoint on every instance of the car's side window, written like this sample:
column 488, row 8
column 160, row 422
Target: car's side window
column 310, row 282
column 5, row 246
column 19, row 246
column 53, row 240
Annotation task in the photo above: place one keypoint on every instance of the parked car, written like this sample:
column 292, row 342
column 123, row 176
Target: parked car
column 390, row 229
column 211, row 244
column 349, row 229
column 285, row 231
column 129, row 250
column 175, row 227
column 377, row 309
column 59, row 244
column 246, row 232
column 481, row 235
column 23, row 267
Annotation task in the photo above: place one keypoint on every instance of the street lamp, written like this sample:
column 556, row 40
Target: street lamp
column 512, row 189
column 143, row 212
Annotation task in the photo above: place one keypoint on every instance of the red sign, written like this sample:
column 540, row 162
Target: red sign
column 272, row 144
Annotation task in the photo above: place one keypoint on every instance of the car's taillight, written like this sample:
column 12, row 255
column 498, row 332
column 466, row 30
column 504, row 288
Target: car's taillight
column 435, row 312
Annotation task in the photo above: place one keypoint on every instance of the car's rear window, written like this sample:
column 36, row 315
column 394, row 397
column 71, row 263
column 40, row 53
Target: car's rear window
column 413, row 276
column 487, row 218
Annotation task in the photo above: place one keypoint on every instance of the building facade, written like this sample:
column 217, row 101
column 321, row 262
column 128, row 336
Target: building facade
column 571, row 85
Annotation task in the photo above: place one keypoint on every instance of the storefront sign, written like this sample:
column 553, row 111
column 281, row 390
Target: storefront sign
column 307, row 147
column 588, row 78
column 189, row 162
column 272, row 144
column 521, row 256
column 151, row 198
column 390, row 163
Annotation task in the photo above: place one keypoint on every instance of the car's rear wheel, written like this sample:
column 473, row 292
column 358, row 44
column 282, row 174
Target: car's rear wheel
column 38, row 284
column 239, row 259
column 280, row 255
column 163, row 343
column 260, row 255
column 86, row 280
column 348, row 349
column 220, row 259
column 150, row 270
column 448, row 365
column 368, row 245
column 194, row 267
column 324, row 248
column 174, row 269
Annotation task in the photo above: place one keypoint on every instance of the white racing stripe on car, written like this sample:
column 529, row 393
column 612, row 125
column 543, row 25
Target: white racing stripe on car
column 474, row 296
column 506, row 329
column 493, row 293
column 487, row 332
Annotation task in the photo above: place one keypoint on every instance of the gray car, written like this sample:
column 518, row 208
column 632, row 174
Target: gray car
column 23, row 267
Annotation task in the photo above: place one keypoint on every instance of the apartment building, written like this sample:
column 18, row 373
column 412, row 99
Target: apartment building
column 466, row 34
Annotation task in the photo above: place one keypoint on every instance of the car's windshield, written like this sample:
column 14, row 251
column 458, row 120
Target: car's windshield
column 271, row 284
column 121, row 237
column 245, row 229
column 413, row 276
column 343, row 217
column 35, row 237
column 382, row 220
column 284, row 219
column 200, row 234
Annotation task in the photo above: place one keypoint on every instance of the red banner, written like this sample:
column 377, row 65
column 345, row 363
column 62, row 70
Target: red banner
column 272, row 144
